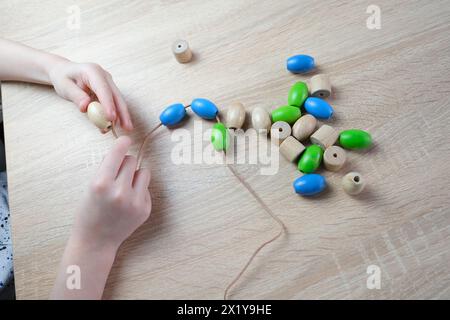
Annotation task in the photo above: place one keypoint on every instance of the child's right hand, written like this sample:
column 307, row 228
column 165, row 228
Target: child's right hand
column 117, row 203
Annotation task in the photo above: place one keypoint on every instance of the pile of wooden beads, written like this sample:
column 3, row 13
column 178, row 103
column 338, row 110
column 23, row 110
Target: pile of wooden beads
column 279, row 122
column 322, row 140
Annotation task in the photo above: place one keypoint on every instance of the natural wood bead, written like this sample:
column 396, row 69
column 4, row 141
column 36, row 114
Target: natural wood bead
column 320, row 86
column 303, row 127
column 291, row 148
column 325, row 136
column 181, row 51
column 353, row 183
column 96, row 114
column 279, row 131
column 334, row 158
column 261, row 120
column 235, row 116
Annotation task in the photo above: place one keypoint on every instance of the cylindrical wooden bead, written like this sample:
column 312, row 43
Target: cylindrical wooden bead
column 353, row 183
column 261, row 120
column 235, row 116
column 279, row 131
column 334, row 158
column 291, row 148
column 303, row 127
column 96, row 114
column 320, row 86
column 325, row 136
column 181, row 51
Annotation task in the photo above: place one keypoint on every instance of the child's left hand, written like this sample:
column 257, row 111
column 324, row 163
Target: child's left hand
column 76, row 81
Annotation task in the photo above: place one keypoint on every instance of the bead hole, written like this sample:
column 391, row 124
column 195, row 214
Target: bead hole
column 280, row 129
column 335, row 155
column 179, row 46
column 356, row 179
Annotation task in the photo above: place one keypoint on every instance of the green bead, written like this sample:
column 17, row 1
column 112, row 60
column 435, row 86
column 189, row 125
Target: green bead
column 355, row 139
column 298, row 94
column 220, row 137
column 310, row 159
column 288, row 114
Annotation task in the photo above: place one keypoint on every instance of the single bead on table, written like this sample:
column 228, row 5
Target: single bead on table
column 298, row 94
column 204, row 108
column 304, row 127
column 310, row 184
column 355, row 139
column 181, row 51
column 235, row 116
column 310, row 159
column 96, row 114
column 334, row 158
column 291, row 148
column 279, row 131
column 320, row 86
column 300, row 63
column 220, row 138
column 261, row 120
column 173, row 114
column 353, row 183
column 288, row 114
column 325, row 136
column 319, row 108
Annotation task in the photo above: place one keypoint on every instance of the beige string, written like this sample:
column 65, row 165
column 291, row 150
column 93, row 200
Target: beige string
column 267, row 209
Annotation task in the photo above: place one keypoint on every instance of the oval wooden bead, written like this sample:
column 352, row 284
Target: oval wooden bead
column 204, row 108
column 173, row 114
column 353, row 183
column 288, row 114
column 298, row 94
column 96, row 114
column 261, row 120
column 310, row 184
column 320, row 86
column 300, row 63
column 291, row 148
column 279, row 131
column 304, row 127
column 319, row 108
column 334, row 158
column 355, row 139
column 235, row 116
column 310, row 159
column 220, row 137
column 325, row 136
column 181, row 51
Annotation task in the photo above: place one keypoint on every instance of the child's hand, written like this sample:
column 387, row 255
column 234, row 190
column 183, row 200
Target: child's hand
column 117, row 204
column 76, row 81
column 118, row 201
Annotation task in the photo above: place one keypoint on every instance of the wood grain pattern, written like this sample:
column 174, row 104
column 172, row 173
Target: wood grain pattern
column 393, row 82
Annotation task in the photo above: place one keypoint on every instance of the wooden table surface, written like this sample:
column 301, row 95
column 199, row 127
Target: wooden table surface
column 393, row 82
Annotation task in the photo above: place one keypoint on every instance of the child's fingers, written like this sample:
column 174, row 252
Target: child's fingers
column 122, row 109
column 102, row 90
column 76, row 94
column 126, row 171
column 113, row 160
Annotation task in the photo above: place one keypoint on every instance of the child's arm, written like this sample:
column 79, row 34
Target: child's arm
column 72, row 81
column 118, row 202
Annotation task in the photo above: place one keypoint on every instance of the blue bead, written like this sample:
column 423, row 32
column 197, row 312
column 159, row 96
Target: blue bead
column 310, row 184
column 319, row 108
column 300, row 63
column 204, row 108
column 172, row 115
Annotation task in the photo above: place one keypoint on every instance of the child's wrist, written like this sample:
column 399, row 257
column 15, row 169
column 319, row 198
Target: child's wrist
column 92, row 244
